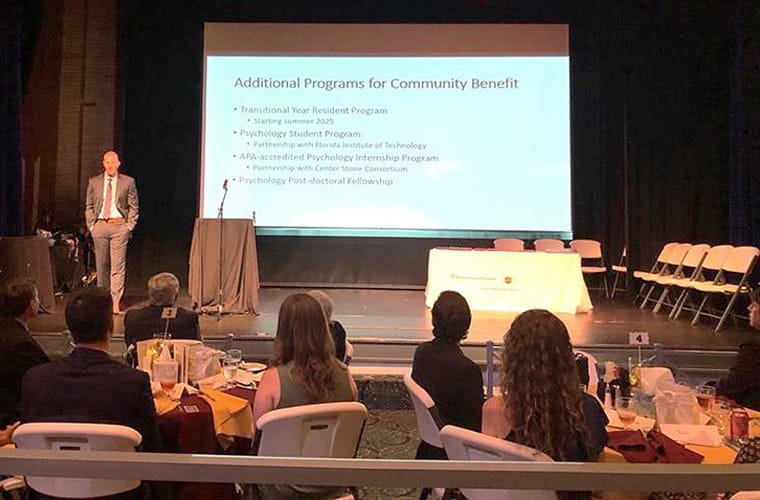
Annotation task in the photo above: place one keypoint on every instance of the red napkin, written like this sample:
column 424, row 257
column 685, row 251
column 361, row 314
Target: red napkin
column 655, row 447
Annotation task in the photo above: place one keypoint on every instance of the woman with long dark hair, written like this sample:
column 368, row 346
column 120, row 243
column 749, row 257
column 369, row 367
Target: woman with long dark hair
column 542, row 404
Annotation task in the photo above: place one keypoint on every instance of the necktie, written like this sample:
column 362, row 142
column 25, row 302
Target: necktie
column 107, row 207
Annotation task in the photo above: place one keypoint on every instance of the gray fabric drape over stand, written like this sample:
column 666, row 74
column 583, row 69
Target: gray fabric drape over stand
column 30, row 257
column 240, row 266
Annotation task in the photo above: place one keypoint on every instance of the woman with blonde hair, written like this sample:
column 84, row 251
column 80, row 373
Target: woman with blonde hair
column 542, row 404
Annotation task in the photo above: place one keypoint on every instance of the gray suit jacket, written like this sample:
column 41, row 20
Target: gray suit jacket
column 126, row 200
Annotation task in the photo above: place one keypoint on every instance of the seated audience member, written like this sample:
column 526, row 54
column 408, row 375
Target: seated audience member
column 18, row 350
column 336, row 329
column 742, row 384
column 88, row 385
column 452, row 379
column 542, row 405
column 304, row 371
column 142, row 324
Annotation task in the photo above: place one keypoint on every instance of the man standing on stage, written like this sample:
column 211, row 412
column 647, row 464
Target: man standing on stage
column 111, row 210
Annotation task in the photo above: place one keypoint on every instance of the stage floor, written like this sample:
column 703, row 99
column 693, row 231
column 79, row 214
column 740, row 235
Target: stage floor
column 401, row 315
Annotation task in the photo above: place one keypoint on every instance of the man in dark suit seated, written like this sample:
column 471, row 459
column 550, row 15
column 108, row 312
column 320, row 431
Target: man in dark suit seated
column 88, row 385
column 742, row 384
column 142, row 324
column 18, row 350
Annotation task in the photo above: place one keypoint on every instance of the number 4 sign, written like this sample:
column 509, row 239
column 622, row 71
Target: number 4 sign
column 638, row 338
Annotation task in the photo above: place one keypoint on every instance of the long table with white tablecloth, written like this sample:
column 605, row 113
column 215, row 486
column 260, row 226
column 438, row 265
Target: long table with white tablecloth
column 494, row 280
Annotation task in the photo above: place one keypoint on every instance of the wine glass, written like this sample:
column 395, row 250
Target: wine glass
column 626, row 410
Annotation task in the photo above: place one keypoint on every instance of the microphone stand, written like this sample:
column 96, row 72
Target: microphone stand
column 220, row 216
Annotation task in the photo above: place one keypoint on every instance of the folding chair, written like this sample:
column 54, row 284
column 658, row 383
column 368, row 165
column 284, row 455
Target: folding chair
column 739, row 262
column 686, row 271
column 658, row 264
column 591, row 250
column 326, row 430
column 464, row 444
column 76, row 437
column 711, row 266
column 621, row 269
column 428, row 423
column 509, row 244
column 670, row 265
column 548, row 245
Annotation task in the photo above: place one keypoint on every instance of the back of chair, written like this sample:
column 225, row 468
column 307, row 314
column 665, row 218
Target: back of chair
column 695, row 255
column 327, row 430
column 510, row 244
column 423, row 403
column 741, row 259
column 716, row 256
column 587, row 249
column 548, row 245
column 76, row 437
column 464, row 444
column 677, row 254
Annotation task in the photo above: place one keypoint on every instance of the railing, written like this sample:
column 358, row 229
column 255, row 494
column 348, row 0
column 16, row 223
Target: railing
column 383, row 473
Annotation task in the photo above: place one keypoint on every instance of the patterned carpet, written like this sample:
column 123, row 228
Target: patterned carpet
column 389, row 434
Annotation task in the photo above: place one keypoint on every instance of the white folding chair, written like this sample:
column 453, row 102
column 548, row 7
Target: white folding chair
column 739, row 263
column 686, row 271
column 548, row 245
column 464, row 444
column 77, row 437
column 709, row 269
column 326, row 430
column 427, row 425
column 509, row 244
column 621, row 269
column 591, row 250
column 659, row 262
column 669, row 266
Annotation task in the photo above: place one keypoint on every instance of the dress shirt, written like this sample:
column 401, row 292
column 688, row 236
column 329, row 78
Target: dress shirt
column 114, row 189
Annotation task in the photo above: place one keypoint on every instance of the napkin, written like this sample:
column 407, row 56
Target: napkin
column 654, row 377
column 641, row 423
column 232, row 416
column 703, row 435
column 651, row 447
column 167, row 402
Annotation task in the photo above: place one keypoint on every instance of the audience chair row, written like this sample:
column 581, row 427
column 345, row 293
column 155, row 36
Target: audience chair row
column 684, row 268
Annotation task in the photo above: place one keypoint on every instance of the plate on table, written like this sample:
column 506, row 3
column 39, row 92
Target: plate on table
column 253, row 367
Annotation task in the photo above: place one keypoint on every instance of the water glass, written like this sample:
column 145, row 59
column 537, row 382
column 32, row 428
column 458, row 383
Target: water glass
column 229, row 369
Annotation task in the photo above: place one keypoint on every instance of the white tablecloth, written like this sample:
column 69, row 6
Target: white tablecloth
column 493, row 280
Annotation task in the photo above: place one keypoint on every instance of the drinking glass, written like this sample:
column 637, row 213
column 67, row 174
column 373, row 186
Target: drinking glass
column 229, row 369
column 706, row 397
column 626, row 410
column 166, row 372
column 721, row 414
column 235, row 355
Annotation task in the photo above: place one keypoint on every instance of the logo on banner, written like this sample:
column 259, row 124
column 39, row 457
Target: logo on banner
column 508, row 280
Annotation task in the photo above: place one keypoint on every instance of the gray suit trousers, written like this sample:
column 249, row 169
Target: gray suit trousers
column 110, row 242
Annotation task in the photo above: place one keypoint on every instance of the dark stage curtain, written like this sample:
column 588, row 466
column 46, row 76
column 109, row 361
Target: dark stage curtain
column 665, row 143
column 11, row 206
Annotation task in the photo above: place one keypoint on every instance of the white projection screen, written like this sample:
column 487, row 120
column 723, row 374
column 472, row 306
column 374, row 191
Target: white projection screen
column 452, row 131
